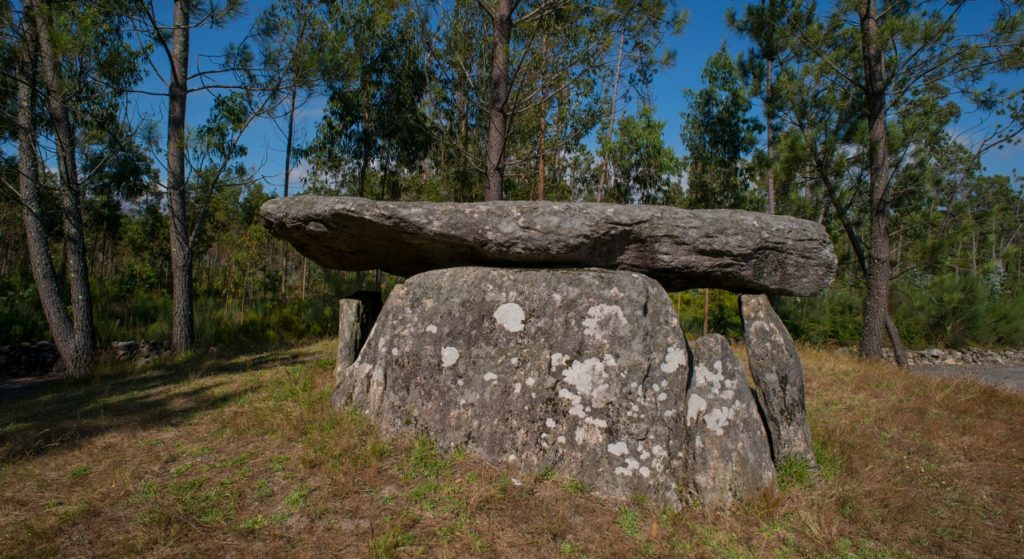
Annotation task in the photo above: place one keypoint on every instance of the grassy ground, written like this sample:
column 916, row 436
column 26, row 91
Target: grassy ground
column 242, row 456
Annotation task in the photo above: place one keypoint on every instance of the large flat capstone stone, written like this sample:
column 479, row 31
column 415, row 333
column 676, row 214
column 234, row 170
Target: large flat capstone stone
column 582, row 371
column 682, row 249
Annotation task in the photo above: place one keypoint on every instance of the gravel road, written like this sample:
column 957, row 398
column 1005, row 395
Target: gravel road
column 1006, row 376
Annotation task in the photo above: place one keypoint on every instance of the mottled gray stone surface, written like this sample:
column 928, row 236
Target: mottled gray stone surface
column 727, row 457
column 779, row 376
column 350, row 319
column 682, row 249
column 583, row 371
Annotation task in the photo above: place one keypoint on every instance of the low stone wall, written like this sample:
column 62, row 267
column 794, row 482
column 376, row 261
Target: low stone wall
column 42, row 358
column 969, row 356
column 27, row 359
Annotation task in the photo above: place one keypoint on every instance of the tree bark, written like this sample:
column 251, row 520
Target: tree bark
column 71, row 190
column 876, row 302
column 76, row 357
column 605, row 181
column 768, row 140
column 289, row 140
column 539, row 191
column 707, row 309
column 497, row 132
column 183, row 318
column 898, row 349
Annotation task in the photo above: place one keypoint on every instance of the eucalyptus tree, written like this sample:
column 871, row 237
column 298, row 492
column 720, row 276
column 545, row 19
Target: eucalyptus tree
column 719, row 133
column 291, row 39
column 375, row 81
column 648, row 171
column 640, row 29
column 546, row 60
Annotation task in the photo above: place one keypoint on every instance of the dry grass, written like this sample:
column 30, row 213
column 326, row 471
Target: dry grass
column 243, row 457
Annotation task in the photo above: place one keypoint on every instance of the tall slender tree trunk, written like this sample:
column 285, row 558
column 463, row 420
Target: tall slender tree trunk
column 76, row 357
column 605, row 181
column 539, row 191
column 289, row 139
column 497, row 131
column 898, row 349
column 707, row 310
column 71, row 189
column 768, row 110
column 183, row 318
column 876, row 302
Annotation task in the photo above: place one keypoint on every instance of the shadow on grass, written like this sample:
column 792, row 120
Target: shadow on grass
column 38, row 416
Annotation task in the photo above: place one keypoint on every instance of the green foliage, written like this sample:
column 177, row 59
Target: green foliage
column 646, row 170
column 794, row 472
column 723, row 312
column 718, row 133
column 629, row 521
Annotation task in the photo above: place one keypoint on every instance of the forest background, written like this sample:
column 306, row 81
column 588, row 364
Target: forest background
column 138, row 140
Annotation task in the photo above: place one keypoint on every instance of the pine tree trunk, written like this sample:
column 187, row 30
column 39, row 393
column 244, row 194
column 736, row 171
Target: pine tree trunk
column 768, row 140
column 183, row 319
column 539, row 191
column 76, row 357
column 497, row 132
column 876, row 302
column 898, row 349
column 605, row 181
column 289, row 140
column 71, row 191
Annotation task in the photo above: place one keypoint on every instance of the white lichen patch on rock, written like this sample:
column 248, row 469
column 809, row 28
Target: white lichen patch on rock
column 618, row 448
column 431, row 329
column 491, row 377
column 449, row 356
column 695, row 405
column 704, row 376
column 510, row 316
column 604, row 320
column 590, row 378
column 589, row 434
column 718, row 419
column 558, row 360
column 674, row 359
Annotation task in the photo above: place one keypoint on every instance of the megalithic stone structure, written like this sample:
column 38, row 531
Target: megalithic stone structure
column 536, row 335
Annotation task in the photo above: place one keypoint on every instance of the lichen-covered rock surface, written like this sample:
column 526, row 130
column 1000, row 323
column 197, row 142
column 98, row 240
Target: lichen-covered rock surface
column 582, row 371
column 727, row 458
column 742, row 251
column 779, row 376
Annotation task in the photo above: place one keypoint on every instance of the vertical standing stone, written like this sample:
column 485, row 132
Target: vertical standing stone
column 580, row 371
column 727, row 457
column 350, row 319
column 779, row 376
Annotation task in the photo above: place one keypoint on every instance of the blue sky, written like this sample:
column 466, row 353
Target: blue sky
column 701, row 38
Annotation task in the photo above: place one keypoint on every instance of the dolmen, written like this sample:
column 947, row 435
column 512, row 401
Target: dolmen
column 540, row 336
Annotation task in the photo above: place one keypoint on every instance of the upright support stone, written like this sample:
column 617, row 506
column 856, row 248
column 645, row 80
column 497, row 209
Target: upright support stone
column 727, row 453
column 350, row 319
column 580, row 371
column 779, row 376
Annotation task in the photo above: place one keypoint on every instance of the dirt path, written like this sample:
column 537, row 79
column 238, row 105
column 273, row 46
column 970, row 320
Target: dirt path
column 1010, row 377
